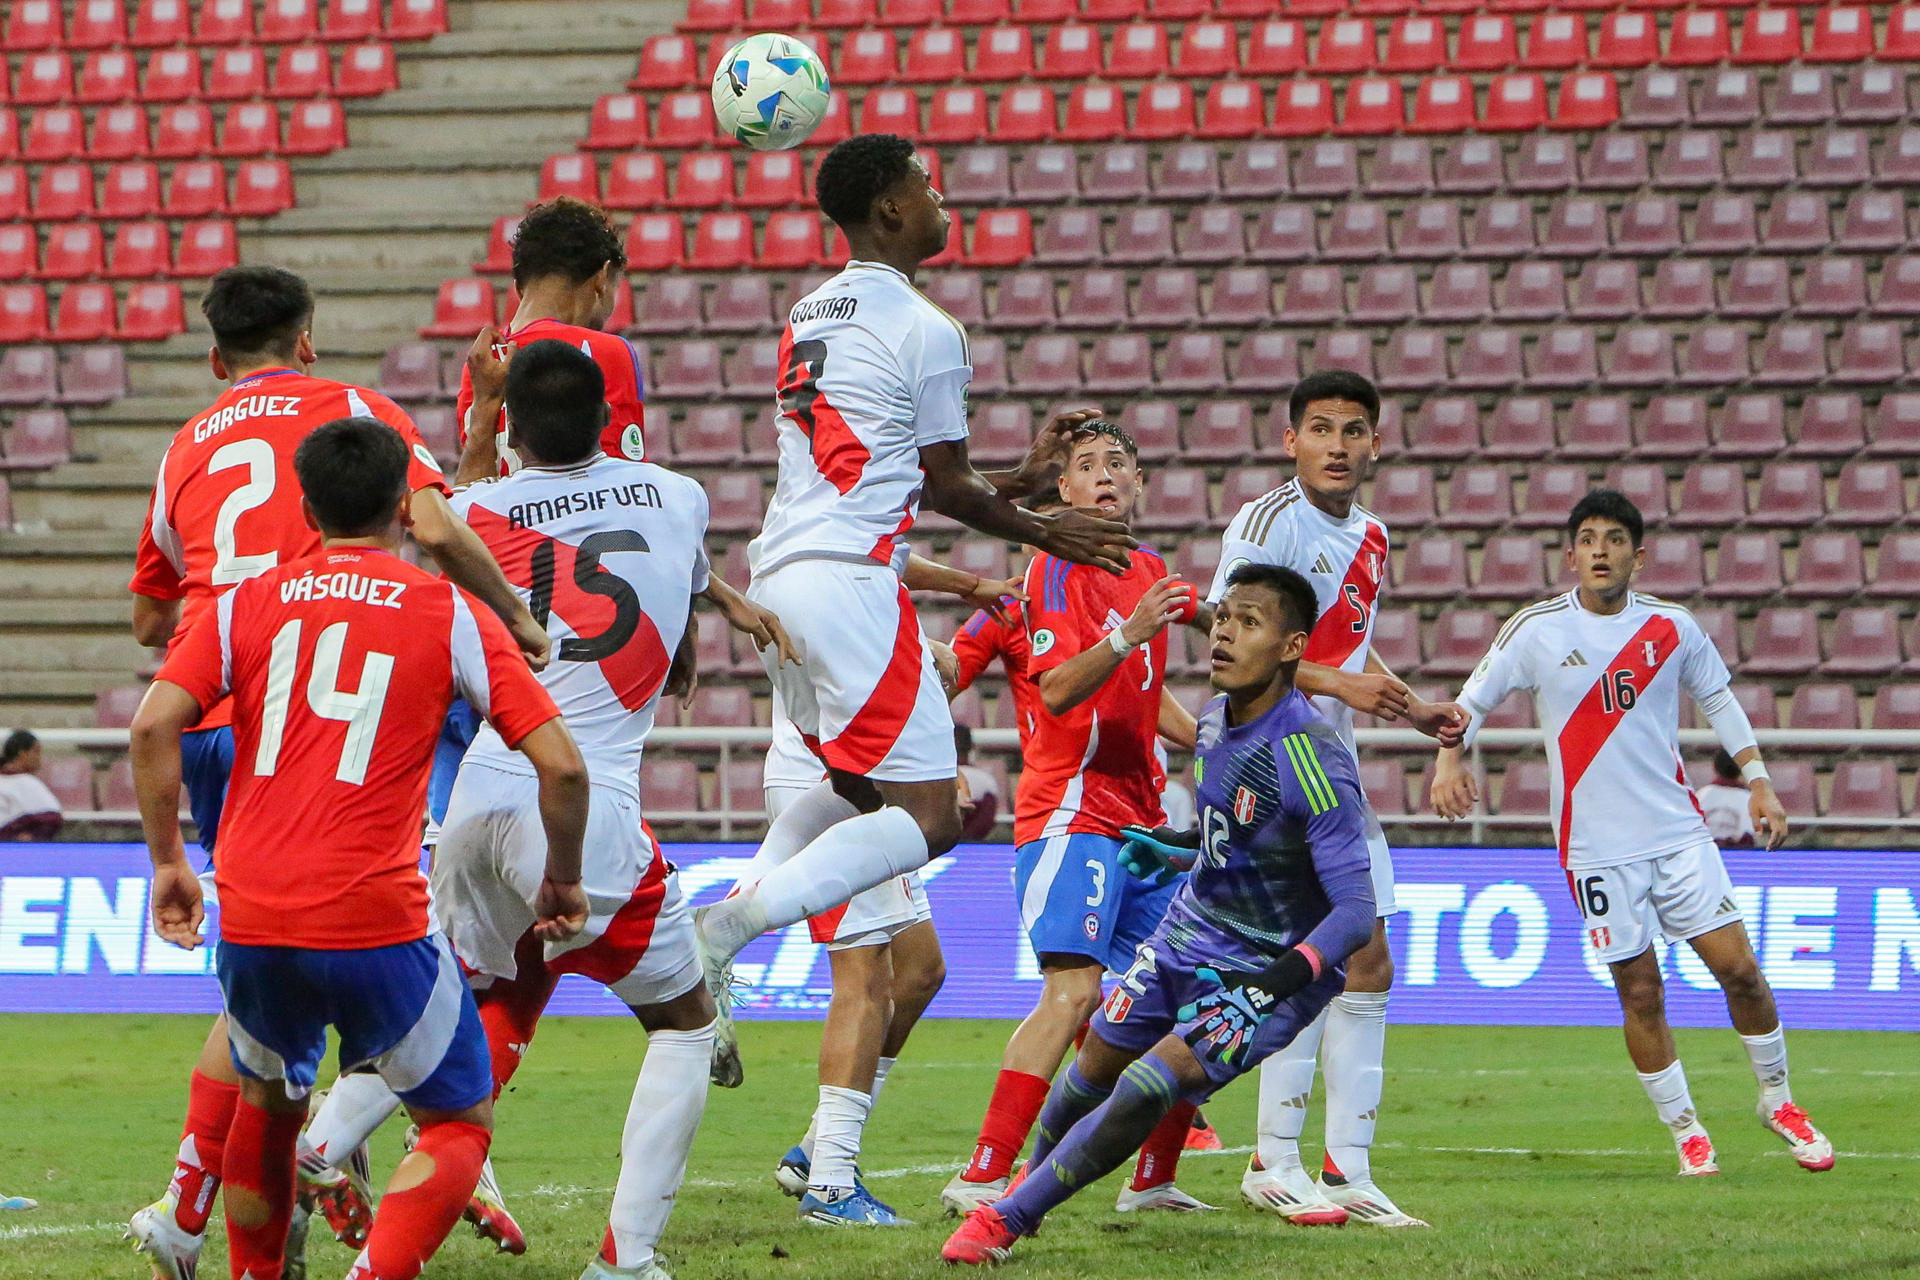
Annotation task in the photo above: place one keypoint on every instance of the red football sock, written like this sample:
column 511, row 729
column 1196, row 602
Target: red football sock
column 422, row 1205
column 260, row 1188
column 1160, row 1153
column 510, row 1010
column 1017, row 1099
column 203, row 1145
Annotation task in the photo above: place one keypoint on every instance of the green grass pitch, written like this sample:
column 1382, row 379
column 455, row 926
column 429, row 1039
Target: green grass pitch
column 1533, row 1151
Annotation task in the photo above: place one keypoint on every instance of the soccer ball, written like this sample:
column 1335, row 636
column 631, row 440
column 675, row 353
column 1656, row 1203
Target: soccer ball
column 770, row 92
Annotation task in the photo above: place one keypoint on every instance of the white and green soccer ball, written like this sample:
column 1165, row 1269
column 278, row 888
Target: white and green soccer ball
column 770, row 91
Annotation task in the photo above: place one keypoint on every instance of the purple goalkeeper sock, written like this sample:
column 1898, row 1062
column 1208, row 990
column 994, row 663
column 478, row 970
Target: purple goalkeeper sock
column 1100, row 1143
column 1071, row 1098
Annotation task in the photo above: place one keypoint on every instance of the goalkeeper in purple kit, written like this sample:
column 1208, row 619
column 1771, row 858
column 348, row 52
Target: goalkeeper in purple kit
column 1252, row 945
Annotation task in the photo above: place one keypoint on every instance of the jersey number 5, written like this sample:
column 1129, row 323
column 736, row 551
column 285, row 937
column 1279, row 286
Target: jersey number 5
column 359, row 710
column 590, row 578
column 1352, row 591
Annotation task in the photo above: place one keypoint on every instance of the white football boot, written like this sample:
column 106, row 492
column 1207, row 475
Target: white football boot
column 961, row 1197
column 1811, row 1149
column 1165, row 1196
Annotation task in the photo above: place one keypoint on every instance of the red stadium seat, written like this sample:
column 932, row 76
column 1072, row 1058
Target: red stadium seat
column 1276, row 47
column 891, row 111
column 684, row 120
column 97, row 24
column 1556, row 42
column 366, row 70
column 1072, row 52
column 351, row 20
column 33, row 24
column 1590, row 100
column 1095, row 112
column 638, row 179
column 261, row 188
column 655, row 242
column 714, row 15
column 55, row 133
column 936, row 54
column 302, row 71
column 1001, row 238
column 1164, row 110
column 1235, row 109
column 1770, row 35
column 1207, row 49
column 45, row 78
column 185, row 131
column 462, row 309
column 1842, row 33
column 417, row 19
column 724, row 242
column 206, row 248
column 119, row 133
column 65, row 192
column 1443, row 104
column 1004, row 53
column 225, row 22
column 1699, row 38
column 1902, row 42
column 1415, row 43
column 667, row 62
column 73, row 252
column 838, row 14
column 1346, row 45
column 1515, row 102
column 869, row 57
column 196, row 190
column 1373, row 105
column 1303, row 108
column 236, row 74
column 250, row 129
column 13, row 193
column 315, row 128
column 703, row 180
column 157, row 23
column 570, row 174
column 289, row 21
column 793, row 241
column 141, row 250
column 1486, row 43
column 173, row 75
column 1139, row 51
column 110, row 75
column 618, row 122
column 87, row 313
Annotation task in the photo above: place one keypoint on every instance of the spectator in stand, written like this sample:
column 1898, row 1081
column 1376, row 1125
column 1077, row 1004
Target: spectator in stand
column 28, row 810
column 982, row 794
column 1724, row 801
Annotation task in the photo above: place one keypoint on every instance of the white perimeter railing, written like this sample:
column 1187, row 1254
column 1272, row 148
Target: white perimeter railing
column 749, row 811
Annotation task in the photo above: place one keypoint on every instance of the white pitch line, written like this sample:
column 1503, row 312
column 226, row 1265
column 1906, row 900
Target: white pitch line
column 58, row 1229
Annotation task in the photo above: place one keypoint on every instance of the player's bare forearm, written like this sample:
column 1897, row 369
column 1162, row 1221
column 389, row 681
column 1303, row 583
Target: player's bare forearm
column 564, row 796
column 480, row 455
column 1079, row 678
column 750, row 619
column 1318, row 680
column 1177, row 724
column 1454, row 791
column 153, row 742
column 683, row 673
column 154, row 620
column 963, row 494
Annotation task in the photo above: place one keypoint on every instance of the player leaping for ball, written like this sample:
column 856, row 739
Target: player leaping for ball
column 226, row 508
column 341, row 666
column 1097, row 656
column 1314, row 525
column 1606, row 665
column 872, row 418
column 1252, row 944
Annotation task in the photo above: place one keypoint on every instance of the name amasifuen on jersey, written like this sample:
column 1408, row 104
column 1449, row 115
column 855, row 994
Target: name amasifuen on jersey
column 527, row 514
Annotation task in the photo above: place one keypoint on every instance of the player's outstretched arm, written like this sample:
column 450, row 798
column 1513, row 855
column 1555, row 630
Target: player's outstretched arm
column 1045, row 459
column 466, row 561
column 487, row 361
column 955, row 489
column 990, row 594
column 1078, row 678
column 154, row 740
column 1444, row 721
column 748, row 618
column 561, row 906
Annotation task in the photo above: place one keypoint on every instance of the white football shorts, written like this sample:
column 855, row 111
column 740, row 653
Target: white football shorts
column 492, row 856
column 865, row 694
column 1675, row 896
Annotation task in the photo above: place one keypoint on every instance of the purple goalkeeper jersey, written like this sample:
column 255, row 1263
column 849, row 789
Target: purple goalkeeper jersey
column 1283, row 845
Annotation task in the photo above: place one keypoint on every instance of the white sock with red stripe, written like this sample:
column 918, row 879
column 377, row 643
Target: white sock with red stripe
column 1286, row 1086
column 848, row 858
column 668, row 1100
column 1672, row 1100
column 1768, row 1054
column 356, row 1105
column 1351, row 1056
column 799, row 824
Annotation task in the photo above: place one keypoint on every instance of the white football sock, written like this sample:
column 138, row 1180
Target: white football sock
column 1351, row 1057
column 849, row 857
column 804, row 818
column 1286, row 1084
column 1768, row 1054
column 356, row 1105
column 880, row 1070
column 668, row 1100
column 1672, row 1100
column 838, row 1121
column 806, row 1141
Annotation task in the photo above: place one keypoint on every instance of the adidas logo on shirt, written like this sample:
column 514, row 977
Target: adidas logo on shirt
column 1114, row 621
column 1321, row 564
column 1574, row 660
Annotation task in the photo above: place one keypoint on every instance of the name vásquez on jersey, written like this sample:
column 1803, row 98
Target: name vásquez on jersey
column 527, row 514
column 823, row 309
column 342, row 585
column 240, row 410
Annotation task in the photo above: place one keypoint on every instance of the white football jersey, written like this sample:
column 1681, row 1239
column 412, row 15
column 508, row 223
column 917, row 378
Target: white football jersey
column 608, row 555
column 1345, row 560
column 870, row 371
column 1607, row 689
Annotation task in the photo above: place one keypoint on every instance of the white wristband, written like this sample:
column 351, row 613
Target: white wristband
column 1119, row 643
column 1754, row 770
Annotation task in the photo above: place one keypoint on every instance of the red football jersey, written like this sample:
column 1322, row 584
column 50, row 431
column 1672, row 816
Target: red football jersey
column 625, row 436
column 226, row 505
column 980, row 640
column 1092, row 769
column 342, row 666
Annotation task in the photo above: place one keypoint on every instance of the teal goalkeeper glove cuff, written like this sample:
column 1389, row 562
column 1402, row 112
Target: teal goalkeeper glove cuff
column 1155, row 854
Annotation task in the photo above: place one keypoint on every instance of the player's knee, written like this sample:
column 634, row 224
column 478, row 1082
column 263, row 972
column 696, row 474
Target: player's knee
column 940, row 824
column 1742, row 980
column 1370, row 969
column 1640, row 989
column 918, row 984
column 1072, row 994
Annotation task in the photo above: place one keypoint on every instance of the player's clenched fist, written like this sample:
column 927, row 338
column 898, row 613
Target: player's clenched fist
column 560, row 911
column 1454, row 791
column 1166, row 601
column 1086, row 538
column 177, row 905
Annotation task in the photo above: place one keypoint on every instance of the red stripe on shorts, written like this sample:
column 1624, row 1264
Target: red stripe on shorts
column 874, row 729
column 613, row 955
column 826, row 926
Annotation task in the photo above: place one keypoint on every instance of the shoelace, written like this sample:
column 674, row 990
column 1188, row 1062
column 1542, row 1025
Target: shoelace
column 1696, row 1150
column 1791, row 1118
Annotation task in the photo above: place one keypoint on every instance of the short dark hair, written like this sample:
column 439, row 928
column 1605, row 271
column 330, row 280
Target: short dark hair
column 556, row 400
column 859, row 171
column 1723, row 765
column 18, row 743
column 565, row 237
column 353, row 472
column 1303, row 608
column 1333, row 384
column 257, row 311
column 1099, row 427
column 1606, row 504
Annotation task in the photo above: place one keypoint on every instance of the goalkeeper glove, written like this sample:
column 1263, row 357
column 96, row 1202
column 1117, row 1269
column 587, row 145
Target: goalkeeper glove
column 1226, row 1020
column 1158, row 854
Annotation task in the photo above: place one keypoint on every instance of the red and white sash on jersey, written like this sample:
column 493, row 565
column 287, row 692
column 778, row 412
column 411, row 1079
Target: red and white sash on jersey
column 1592, row 723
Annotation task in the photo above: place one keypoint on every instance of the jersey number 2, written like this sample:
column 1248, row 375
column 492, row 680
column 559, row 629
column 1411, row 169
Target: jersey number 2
column 589, row 577
column 229, row 566
column 359, row 710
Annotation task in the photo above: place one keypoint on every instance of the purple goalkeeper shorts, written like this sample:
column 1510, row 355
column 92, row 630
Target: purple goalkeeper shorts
column 1145, row 1005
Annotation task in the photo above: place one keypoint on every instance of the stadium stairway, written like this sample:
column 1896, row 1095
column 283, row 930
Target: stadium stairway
column 378, row 224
